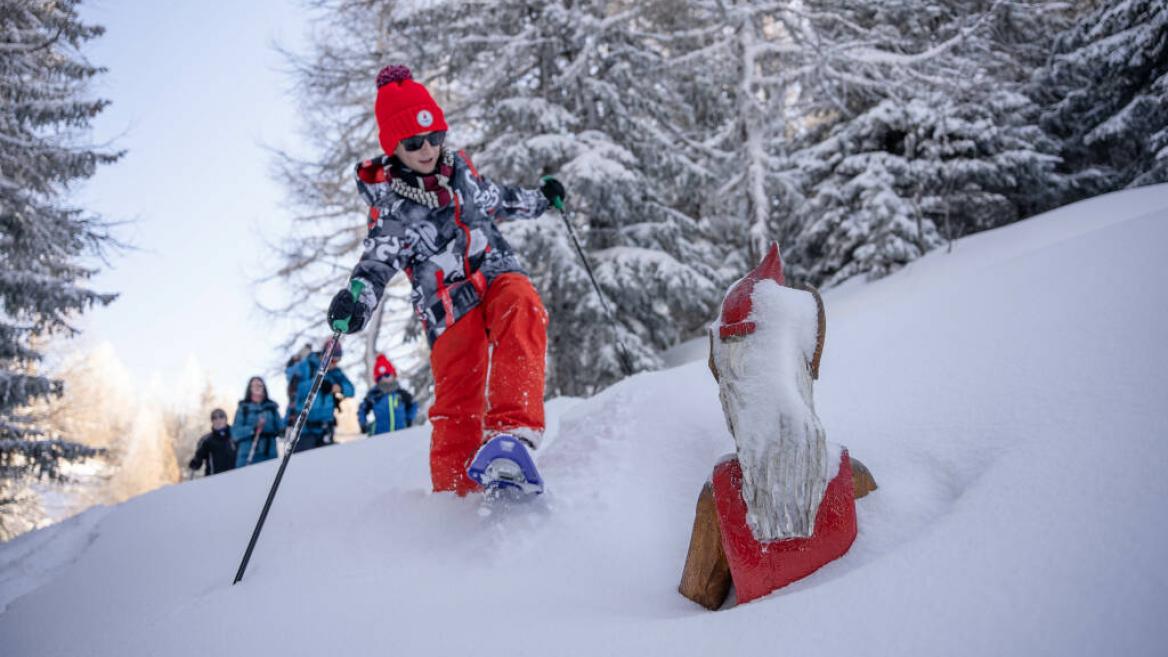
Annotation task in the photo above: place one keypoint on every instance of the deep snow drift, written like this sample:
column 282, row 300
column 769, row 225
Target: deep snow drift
column 1009, row 398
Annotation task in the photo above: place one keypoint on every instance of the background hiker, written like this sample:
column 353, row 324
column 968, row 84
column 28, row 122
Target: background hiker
column 258, row 421
column 321, row 421
column 392, row 406
column 216, row 451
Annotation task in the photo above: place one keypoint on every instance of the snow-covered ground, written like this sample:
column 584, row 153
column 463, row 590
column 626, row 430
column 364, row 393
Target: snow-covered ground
column 1009, row 397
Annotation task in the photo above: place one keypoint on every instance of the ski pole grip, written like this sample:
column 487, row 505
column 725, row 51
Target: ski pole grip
column 355, row 288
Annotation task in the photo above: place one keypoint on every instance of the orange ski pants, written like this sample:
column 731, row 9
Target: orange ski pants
column 488, row 377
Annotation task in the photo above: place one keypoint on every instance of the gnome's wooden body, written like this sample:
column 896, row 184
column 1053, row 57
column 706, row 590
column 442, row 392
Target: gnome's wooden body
column 785, row 501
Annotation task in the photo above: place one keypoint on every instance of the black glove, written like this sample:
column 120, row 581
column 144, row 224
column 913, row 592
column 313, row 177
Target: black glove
column 552, row 189
column 194, row 464
column 343, row 307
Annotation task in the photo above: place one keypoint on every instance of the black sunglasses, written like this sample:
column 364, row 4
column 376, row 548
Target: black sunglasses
column 415, row 143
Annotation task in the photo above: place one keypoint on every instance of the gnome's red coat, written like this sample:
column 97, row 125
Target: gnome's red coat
column 759, row 568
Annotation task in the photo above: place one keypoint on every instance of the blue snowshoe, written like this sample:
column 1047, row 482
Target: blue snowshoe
column 504, row 464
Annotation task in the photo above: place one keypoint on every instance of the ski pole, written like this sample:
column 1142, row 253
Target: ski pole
column 625, row 361
column 300, row 419
column 255, row 440
column 339, row 327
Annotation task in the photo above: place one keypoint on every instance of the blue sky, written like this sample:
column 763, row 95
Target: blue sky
column 199, row 94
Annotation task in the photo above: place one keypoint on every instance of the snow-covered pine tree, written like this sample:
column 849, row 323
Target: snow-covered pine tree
column 1105, row 96
column 778, row 76
column 903, row 177
column 734, row 62
column 44, row 241
column 934, row 140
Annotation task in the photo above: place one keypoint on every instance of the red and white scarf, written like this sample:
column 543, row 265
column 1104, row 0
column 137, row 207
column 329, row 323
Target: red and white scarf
column 431, row 190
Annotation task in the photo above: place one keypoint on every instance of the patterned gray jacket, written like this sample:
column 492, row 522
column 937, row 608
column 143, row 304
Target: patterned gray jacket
column 448, row 245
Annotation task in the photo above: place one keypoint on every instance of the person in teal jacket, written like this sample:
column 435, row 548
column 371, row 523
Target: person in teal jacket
column 257, row 424
column 321, row 421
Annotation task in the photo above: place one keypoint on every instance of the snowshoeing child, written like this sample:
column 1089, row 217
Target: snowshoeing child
column 434, row 217
column 392, row 406
column 257, row 425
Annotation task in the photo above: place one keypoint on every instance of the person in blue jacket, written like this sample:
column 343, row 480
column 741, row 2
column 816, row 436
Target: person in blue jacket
column 321, row 420
column 393, row 407
column 257, row 424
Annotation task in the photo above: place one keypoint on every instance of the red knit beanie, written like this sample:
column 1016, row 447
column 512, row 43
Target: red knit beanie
column 403, row 108
column 382, row 368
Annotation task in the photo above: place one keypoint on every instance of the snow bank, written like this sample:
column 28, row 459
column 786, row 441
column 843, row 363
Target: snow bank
column 1008, row 397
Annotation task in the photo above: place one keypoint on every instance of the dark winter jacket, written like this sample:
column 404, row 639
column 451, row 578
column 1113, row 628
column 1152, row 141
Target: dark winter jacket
column 247, row 415
column 215, row 453
column 392, row 410
column 450, row 253
column 303, row 372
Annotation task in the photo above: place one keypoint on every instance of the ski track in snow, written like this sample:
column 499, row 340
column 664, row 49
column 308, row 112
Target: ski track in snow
column 1008, row 398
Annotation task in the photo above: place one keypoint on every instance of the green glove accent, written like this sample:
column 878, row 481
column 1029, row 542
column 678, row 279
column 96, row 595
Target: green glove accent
column 355, row 288
column 559, row 200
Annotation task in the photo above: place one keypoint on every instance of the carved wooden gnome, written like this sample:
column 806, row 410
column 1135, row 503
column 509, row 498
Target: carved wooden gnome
column 785, row 502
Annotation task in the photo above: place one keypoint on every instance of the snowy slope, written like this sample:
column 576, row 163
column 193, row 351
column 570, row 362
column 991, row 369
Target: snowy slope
column 1009, row 397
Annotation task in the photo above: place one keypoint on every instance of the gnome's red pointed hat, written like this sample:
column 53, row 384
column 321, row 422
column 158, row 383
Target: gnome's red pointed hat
column 382, row 368
column 737, row 306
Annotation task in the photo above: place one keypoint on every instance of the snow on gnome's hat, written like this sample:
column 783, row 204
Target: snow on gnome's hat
column 403, row 108
column 382, row 368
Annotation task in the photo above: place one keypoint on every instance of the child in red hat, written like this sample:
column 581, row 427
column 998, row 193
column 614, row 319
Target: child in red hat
column 392, row 406
column 434, row 217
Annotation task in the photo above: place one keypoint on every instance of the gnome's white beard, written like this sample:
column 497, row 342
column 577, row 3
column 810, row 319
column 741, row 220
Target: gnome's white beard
column 765, row 388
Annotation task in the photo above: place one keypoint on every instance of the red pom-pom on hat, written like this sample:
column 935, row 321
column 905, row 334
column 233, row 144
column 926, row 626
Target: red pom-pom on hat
column 404, row 108
column 393, row 73
column 382, row 368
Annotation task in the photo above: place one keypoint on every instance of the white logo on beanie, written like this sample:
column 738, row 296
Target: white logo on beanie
column 425, row 118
